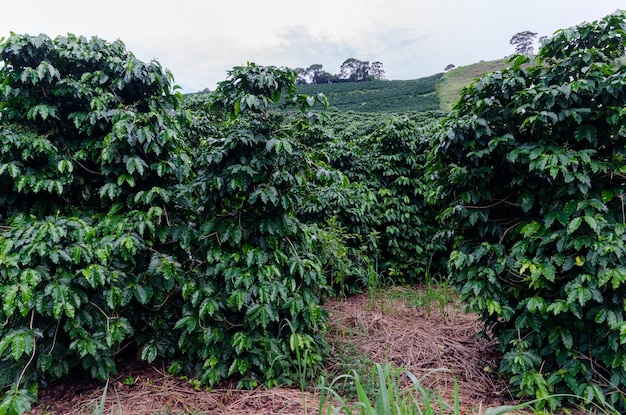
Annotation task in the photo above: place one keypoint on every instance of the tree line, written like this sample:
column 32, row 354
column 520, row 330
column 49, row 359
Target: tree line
column 351, row 70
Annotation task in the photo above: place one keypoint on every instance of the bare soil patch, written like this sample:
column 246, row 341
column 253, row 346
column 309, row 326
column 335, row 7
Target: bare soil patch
column 420, row 339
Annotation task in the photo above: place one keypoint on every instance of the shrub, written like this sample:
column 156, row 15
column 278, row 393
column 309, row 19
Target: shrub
column 532, row 171
column 342, row 206
column 409, row 233
column 391, row 230
column 253, row 298
column 88, row 158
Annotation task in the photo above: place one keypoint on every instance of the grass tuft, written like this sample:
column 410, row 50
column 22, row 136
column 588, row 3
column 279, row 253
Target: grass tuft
column 390, row 397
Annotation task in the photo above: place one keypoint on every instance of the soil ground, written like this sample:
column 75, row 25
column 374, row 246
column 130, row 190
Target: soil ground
column 436, row 341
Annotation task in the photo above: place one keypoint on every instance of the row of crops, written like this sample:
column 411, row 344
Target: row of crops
column 206, row 231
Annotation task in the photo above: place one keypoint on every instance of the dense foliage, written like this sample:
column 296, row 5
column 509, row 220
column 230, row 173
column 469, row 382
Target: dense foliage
column 253, row 297
column 409, row 233
column 532, row 168
column 111, row 244
column 88, row 158
column 95, row 256
column 390, row 230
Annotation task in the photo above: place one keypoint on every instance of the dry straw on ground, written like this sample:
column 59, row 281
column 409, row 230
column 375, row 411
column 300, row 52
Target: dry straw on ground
column 422, row 340
column 419, row 339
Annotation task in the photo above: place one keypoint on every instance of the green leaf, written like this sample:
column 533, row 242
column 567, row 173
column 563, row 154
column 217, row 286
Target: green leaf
column 558, row 307
column 574, row 225
column 59, row 294
column 536, row 305
column 43, row 111
column 607, row 196
column 65, row 166
column 549, row 272
column 5, row 341
column 17, row 402
column 149, row 352
column 567, row 339
column 136, row 164
column 527, row 202
column 18, row 346
column 241, row 342
column 8, row 294
column 592, row 222
column 143, row 294
column 493, row 307
column 530, row 229
column 271, row 143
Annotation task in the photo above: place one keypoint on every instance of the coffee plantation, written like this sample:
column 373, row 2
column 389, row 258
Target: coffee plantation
column 206, row 231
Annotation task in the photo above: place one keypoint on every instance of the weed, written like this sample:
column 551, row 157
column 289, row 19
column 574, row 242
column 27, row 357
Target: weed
column 347, row 357
column 99, row 407
column 388, row 398
column 129, row 380
column 421, row 296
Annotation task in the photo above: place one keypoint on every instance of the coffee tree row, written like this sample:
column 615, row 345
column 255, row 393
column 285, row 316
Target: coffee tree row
column 88, row 161
column 110, row 241
column 531, row 171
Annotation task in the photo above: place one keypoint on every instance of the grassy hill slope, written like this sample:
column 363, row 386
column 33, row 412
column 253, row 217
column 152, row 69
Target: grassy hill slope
column 450, row 85
column 435, row 92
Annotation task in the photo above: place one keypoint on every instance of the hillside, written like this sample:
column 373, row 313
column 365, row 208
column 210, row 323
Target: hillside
column 450, row 85
column 380, row 96
column 435, row 92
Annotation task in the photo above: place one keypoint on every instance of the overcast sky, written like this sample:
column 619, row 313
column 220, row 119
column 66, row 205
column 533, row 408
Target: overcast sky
column 200, row 40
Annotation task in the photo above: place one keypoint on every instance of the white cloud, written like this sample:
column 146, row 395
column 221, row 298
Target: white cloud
column 200, row 40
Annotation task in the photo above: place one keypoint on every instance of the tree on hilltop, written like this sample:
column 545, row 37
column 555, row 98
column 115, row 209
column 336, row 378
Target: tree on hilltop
column 376, row 71
column 314, row 74
column 354, row 70
column 524, row 42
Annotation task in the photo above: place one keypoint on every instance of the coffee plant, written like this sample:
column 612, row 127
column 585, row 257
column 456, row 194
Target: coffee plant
column 409, row 233
column 253, row 299
column 391, row 230
column 89, row 155
column 344, row 206
column 532, row 171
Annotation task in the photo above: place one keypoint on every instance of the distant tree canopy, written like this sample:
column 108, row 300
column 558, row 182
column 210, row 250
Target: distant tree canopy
column 314, row 74
column 524, row 42
column 351, row 70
